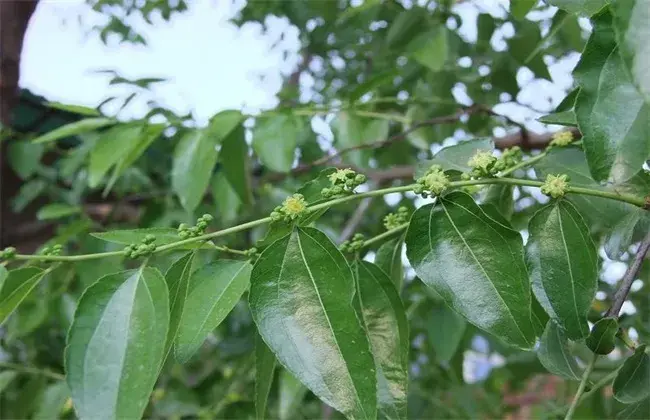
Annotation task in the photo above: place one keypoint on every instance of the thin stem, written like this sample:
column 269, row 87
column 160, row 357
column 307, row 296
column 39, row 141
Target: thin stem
column 524, row 163
column 629, row 277
column 581, row 388
column 230, row 250
column 385, row 235
column 32, row 370
column 637, row 201
column 360, row 113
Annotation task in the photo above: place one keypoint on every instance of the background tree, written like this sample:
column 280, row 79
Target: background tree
column 370, row 247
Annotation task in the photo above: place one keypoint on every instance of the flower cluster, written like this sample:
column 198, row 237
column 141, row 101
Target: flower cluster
column 344, row 181
column 145, row 248
column 292, row 208
column 53, row 250
column 562, row 138
column 482, row 164
column 353, row 245
column 555, row 185
column 185, row 231
column 509, row 158
column 434, row 182
column 8, row 253
column 397, row 219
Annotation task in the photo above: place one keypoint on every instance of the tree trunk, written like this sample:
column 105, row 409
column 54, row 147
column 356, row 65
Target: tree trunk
column 14, row 18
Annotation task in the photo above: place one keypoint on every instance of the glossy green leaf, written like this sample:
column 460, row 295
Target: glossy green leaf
column 445, row 329
column 476, row 264
column 292, row 392
column 564, row 266
column 24, row 157
column 74, row 128
column 56, row 211
column 52, row 401
column 177, row 278
column 526, row 40
column 640, row 410
column 235, row 163
column 223, row 123
column 632, row 25
column 3, row 276
column 431, row 49
column 264, row 369
column 554, row 353
column 583, row 7
column 226, row 199
column 602, row 338
column 116, row 344
column 632, row 383
column 17, row 285
column 566, row 118
column 213, row 291
column 383, row 316
column 455, row 157
column 502, row 198
column 389, row 259
column 614, row 136
column 6, row 376
column 163, row 236
column 194, row 159
column 520, row 8
column 275, row 139
column 404, row 27
column 301, row 299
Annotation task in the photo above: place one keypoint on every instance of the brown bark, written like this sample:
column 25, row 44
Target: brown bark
column 14, row 18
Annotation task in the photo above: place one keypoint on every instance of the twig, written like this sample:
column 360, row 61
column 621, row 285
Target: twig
column 629, row 277
column 581, row 387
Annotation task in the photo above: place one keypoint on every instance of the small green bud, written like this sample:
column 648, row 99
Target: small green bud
column 482, row 163
column 465, row 176
column 562, row 138
column 149, row 239
column 9, row 253
column 325, row 192
column 555, row 185
column 184, row 234
column 337, row 190
column 341, row 175
column 360, row 179
column 391, row 221
column 208, row 218
column 202, row 225
column 435, row 181
column 276, row 216
column 183, row 227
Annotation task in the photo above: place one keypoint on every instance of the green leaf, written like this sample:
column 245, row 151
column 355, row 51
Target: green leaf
column 566, row 118
column 520, row 8
column 583, row 7
column 222, row 124
column 264, row 369
column 301, row 297
column 213, row 291
column 611, row 114
column 76, row 109
column 554, row 353
column 292, row 392
column 476, row 264
column 564, row 266
column 235, row 163
column 74, row 128
column 632, row 383
column 599, row 212
column 383, row 316
column 455, row 157
column 632, row 25
column 163, row 236
column 431, row 49
column 56, row 211
column 16, row 286
column 640, row 410
column 6, row 376
column 226, row 199
column 404, row 27
column 24, row 157
column 501, row 197
column 352, row 131
column 389, row 259
column 52, row 401
column 423, row 136
column 116, row 344
column 445, row 329
column 630, row 229
column 194, row 159
column 177, row 278
column 602, row 338
column 527, row 38
column 275, row 139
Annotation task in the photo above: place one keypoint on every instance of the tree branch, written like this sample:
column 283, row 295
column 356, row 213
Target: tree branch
column 629, row 277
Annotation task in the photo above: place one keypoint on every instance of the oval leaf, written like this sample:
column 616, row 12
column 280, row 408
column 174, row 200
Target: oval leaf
column 564, row 266
column 116, row 344
column 264, row 369
column 384, row 319
column 194, row 159
column 445, row 329
column 177, row 278
column 455, row 157
column 56, row 211
column 632, row 383
column 301, row 300
column 389, row 259
column 275, row 139
column 214, row 290
column 292, row 392
column 602, row 338
column 16, row 285
column 476, row 264
column 554, row 354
